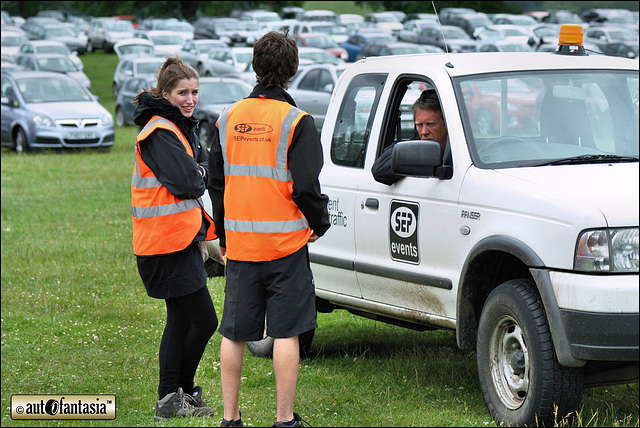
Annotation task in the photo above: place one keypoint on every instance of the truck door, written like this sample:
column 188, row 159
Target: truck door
column 403, row 231
column 333, row 255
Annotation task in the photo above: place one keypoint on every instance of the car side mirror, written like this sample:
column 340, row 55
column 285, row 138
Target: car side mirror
column 418, row 158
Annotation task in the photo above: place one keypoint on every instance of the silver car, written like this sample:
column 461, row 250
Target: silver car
column 311, row 89
column 194, row 51
column 226, row 61
column 44, row 109
column 53, row 62
column 134, row 66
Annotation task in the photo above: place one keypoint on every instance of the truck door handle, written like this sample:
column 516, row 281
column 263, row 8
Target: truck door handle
column 372, row 203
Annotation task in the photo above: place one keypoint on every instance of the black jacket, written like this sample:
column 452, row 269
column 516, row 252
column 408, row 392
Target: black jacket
column 165, row 154
column 305, row 160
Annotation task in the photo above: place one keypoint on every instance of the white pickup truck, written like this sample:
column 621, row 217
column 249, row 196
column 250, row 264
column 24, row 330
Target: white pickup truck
column 522, row 237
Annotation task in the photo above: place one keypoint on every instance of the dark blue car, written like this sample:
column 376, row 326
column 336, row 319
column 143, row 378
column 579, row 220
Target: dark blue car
column 355, row 41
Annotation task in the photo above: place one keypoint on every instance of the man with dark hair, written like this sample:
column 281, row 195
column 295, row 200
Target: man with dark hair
column 427, row 115
column 264, row 166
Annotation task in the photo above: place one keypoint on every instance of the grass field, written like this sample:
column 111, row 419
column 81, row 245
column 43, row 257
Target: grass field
column 76, row 318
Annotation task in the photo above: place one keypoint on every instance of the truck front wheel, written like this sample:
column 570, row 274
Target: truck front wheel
column 521, row 379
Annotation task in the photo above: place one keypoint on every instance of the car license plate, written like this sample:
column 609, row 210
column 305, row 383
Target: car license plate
column 86, row 135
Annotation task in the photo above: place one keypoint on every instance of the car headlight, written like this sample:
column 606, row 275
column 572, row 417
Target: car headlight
column 607, row 250
column 107, row 120
column 42, row 120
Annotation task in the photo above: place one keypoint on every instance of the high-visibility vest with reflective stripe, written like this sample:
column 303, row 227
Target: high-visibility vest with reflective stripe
column 261, row 220
column 162, row 223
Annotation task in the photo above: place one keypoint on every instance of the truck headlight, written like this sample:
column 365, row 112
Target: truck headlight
column 607, row 250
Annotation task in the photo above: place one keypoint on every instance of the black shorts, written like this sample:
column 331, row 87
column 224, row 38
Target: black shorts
column 282, row 288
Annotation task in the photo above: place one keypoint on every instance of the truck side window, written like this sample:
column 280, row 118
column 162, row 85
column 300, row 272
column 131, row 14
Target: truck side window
column 355, row 118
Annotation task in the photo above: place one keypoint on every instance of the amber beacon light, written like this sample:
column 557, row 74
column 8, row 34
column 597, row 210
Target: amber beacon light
column 570, row 41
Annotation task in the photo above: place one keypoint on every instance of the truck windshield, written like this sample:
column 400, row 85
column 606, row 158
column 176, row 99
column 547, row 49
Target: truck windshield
column 533, row 119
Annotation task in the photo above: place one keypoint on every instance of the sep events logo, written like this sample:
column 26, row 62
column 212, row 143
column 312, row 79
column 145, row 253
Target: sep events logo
column 253, row 128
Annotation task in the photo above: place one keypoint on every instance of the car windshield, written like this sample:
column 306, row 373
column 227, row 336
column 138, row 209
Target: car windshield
column 206, row 47
column 454, row 33
column 51, row 90
column 527, row 119
column 119, row 27
column 321, row 42
column 167, row 39
column 61, row 65
column 135, row 49
column 624, row 35
column 147, row 67
column 59, row 32
column 55, row 49
column 244, row 57
column 222, row 92
column 12, row 41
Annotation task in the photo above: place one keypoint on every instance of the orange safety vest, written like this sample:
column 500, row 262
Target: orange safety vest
column 162, row 223
column 262, row 222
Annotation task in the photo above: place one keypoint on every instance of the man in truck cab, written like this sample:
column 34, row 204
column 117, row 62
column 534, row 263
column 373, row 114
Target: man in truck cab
column 430, row 125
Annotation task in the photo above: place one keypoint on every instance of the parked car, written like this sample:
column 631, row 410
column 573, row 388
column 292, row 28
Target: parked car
column 134, row 46
column 75, row 40
column 471, row 23
column 317, row 55
column 11, row 41
column 225, row 61
column 322, row 41
column 384, row 20
column 104, row 33
column 184, row 29
column 260, row 16
column 509, row 32
column 602, row 35
column 34, row 26
column 501, row 45
column 164, row 42
column 448, row 38
column 53, row 62
column 337, row 32
column 43, row 109
column 311, row 89
column 194, row 51
column 620, row 17
column 49, row 46
column 134, row 66
column 563, row 17
column 513, row 19
column 356, row 41
column 130, row 89
column 216, row 93
column 623, row 49
column 411, row 29
column 394, row 48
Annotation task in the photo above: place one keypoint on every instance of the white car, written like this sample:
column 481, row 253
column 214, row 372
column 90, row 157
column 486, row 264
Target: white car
column 50, row 46
column 165, row 42
column 134, row 46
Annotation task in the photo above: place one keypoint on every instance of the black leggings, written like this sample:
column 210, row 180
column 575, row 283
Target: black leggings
column 191, row 321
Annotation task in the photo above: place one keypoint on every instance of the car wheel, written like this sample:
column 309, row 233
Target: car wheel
column 20, row 143
column 484, row 123
column 522, row 382
column 120, row 117
column 264, row 347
